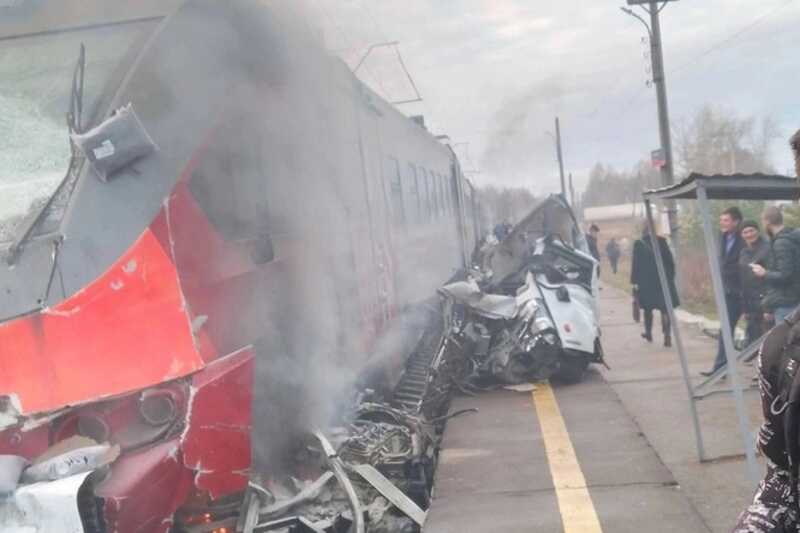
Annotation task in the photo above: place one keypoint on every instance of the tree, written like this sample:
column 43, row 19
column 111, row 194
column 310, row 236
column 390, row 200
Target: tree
column 506, row 203
column 716, row 141
column 607, row 186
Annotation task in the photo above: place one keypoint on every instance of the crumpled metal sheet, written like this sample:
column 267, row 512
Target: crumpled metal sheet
column 56, row 357
column 145, row 488
column 216, row 444
column 490, row 305
column 44, row 507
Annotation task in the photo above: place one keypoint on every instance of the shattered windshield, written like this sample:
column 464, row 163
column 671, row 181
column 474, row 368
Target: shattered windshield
column 35, row 83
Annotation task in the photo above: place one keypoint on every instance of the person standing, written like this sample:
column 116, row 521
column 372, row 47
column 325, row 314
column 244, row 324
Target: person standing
column 591, row 240
column 731, row 245
column 646, row 285
column 782, row 276
column 613, row 253
column 755, row 252
column 775, row 506
column 501, row 230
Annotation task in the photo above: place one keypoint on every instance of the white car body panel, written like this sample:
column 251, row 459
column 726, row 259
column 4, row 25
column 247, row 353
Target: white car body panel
column 46, row 507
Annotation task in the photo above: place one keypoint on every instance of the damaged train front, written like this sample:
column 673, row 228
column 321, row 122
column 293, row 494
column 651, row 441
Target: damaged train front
column 117, row 410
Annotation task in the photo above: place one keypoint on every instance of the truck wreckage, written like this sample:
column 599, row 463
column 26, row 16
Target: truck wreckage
column 529, row 311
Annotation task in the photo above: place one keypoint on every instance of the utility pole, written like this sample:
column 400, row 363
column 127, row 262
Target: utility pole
column 560, row 159
column 571, row 193
column 659, row 79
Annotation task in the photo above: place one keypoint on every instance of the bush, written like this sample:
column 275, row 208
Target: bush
column 697, row 291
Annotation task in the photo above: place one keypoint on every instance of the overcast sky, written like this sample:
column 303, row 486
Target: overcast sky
column 495, row 73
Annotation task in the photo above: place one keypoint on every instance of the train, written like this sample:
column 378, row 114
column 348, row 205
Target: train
column 267, row 220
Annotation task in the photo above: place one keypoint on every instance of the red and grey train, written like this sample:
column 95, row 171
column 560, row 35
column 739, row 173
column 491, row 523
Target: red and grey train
column 285, row 206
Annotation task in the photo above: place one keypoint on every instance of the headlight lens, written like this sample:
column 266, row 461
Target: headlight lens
column 158, row 407
column 94, row 427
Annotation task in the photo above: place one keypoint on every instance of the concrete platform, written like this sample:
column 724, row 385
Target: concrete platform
column 647, row 380
column 494, row 473
column 632, row 438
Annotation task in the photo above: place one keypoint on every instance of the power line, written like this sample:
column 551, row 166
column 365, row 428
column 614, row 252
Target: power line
column 352, row 49
column 734, row 36
column 631, row 99
column 371, row 14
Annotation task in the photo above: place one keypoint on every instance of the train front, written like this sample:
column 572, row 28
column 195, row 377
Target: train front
column 124, row 396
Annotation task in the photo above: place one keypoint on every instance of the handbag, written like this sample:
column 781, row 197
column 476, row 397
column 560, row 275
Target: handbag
column 637, row 309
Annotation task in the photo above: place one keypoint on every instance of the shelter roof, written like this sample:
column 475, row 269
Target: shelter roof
column 730, row 187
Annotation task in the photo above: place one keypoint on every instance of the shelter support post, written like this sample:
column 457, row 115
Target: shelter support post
column 727, row 332
column 662, row 277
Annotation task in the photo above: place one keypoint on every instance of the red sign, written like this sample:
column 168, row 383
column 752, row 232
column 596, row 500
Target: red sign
column 657, row 158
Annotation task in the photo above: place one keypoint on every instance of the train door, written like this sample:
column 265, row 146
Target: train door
column 380, row 214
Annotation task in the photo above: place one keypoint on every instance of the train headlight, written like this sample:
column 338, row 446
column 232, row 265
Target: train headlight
column 158, row 407
column 93, row 426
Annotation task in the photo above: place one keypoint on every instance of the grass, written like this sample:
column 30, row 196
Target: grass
column 697, row 295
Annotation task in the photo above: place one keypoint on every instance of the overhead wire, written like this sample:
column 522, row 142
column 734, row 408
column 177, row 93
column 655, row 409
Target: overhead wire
column 733, row 37
column 364, row 4
column 631, row 99
column 351, row 47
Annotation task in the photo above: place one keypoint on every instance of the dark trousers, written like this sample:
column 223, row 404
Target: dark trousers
column 614, row 263
column 734, row 305
column 755, row 327
column 648, row 322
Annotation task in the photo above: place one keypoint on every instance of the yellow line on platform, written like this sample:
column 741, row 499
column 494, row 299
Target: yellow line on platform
column 578, row 514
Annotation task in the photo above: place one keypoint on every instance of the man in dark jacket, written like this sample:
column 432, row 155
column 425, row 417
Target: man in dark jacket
column 731, row 245
column 501, row 230
column 613, row 253
column 775, row 507
column 782, row 275
column 755, row 252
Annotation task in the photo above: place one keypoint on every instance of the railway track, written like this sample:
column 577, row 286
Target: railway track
column 422, row 382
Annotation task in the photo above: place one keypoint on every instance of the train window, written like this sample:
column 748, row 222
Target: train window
column 441, row 194
column 434, row 195
column 437, row 193
column 445, row 196
column 35, row 78
column 395, row 191
column 414, row 189
column 448, row 194
column 429, row 199
column 425, row 193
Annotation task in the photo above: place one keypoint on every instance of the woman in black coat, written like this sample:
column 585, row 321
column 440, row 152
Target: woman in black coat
column 646, row 285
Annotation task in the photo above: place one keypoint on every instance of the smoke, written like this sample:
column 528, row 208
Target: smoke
column 292, row 156
column 301, row 140
column 518, row 145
